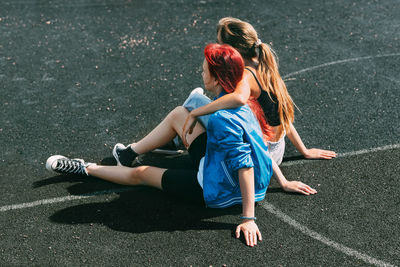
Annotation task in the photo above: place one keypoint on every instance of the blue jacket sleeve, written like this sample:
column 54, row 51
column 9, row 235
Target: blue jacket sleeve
column 227, row 135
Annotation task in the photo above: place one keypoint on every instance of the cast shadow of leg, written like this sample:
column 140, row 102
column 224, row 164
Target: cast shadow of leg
column 143, row 210
column 137, row 209
column 140, row 209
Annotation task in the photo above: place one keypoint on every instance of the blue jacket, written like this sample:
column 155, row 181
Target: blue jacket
column 234, row 141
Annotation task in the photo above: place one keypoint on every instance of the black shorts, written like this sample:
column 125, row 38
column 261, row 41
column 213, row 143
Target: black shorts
column 183, row 183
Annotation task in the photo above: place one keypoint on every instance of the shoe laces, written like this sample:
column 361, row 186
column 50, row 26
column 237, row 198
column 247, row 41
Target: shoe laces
column 73, row 166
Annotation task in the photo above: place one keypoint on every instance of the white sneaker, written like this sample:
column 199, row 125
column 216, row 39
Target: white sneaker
column 61, row 164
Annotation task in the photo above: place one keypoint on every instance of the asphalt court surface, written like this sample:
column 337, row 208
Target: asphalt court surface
column 76, row 77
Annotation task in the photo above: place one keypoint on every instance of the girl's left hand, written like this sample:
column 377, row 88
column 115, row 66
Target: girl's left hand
column 250, row 231
column 315, row 153
column 298, row 187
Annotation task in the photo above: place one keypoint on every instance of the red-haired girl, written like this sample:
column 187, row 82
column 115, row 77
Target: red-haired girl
column 230, row 157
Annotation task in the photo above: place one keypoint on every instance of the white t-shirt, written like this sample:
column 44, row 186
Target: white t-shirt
column 200, row 172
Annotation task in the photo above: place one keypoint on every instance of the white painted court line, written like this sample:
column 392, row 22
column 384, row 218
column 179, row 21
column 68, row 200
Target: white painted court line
column 339, row 62
column 344, row 155
column 41, row 202
column 59, row 199
column 305, row 230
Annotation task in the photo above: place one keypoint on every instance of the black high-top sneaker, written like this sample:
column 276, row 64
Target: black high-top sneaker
column 124, row 155
column 61, row 164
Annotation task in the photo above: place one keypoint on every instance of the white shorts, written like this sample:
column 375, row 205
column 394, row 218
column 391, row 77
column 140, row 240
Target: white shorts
column 277, row 149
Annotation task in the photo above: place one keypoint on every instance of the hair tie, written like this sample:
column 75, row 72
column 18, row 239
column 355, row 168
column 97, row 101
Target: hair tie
column 258, row 43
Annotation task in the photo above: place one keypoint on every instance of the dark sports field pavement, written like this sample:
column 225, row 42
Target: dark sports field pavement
column 78, row 76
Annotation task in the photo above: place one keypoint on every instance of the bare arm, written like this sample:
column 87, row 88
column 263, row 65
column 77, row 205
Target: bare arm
column 291, row 186
column 236, row 99
column 313, row 153
column 248, row 226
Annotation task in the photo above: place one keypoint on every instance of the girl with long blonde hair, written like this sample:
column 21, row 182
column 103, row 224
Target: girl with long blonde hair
column 261, row 81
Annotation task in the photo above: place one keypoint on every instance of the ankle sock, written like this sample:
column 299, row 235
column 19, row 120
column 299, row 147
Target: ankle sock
column 129, row 146
column 127, row 155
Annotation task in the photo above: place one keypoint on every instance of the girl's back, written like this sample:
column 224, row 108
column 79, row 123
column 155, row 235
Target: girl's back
column 262, row 73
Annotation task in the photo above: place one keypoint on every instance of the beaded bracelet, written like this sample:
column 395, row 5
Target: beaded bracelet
column 248, row 218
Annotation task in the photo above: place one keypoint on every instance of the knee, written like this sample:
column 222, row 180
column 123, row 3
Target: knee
column 179, row 109
column 136, row 175
column 178, row 112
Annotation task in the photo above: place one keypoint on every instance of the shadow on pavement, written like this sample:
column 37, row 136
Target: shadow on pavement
column 142, row 210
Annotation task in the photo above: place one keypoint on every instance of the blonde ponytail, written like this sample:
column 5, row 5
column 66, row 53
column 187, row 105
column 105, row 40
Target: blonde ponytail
column 242, row 36
column 272, row 82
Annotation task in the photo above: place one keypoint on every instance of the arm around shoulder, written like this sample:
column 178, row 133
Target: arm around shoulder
column 235, row 99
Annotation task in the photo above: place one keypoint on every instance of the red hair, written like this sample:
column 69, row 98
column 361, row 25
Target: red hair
column 227, row 66
column 262, row 120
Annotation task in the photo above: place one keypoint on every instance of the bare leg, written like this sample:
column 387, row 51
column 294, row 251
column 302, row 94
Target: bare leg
column 171, row 126
column 147, row 175
column 142, row 175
